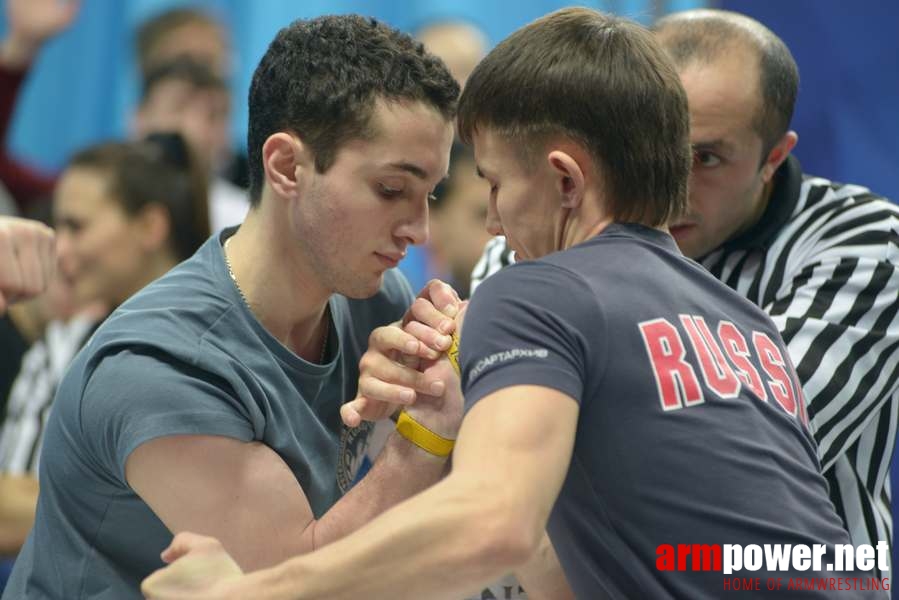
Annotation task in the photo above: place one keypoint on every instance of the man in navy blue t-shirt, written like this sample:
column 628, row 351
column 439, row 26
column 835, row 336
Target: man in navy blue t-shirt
column 638, row 410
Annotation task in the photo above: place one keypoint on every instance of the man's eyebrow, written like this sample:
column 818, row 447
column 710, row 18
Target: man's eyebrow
column 716, row 144
column 410, row 168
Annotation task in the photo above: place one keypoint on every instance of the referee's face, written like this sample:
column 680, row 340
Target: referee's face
column 727, row 185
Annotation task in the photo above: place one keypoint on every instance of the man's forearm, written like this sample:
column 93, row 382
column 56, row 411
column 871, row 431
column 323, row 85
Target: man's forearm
column 542, row 576
column 443, row 543
column 401, row 471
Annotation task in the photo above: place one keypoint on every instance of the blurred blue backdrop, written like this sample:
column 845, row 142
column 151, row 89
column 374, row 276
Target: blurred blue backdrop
column 83, row 86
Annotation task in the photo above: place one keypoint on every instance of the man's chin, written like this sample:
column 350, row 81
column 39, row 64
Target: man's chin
column 362, row 289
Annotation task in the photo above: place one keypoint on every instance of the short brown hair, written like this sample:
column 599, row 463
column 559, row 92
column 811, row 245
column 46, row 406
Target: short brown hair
column 603, row 82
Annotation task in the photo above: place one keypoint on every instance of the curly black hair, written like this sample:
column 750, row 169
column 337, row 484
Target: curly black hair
column 320, row 79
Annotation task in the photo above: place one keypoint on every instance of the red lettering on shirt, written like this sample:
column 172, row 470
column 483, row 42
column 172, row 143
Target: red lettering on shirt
column 675, row 378
column 716, row 372
column 738, row 352
column 776, row 368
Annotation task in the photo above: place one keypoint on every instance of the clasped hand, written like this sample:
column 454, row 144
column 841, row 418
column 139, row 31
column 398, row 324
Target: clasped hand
column 406, row 366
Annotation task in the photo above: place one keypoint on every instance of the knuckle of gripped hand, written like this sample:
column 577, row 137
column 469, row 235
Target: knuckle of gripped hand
column 371, row 361
column 376, row 336
column 420, row 306
column 365, row 384
column 433, row 284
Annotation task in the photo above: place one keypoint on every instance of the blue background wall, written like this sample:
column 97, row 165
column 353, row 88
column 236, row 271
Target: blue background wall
column 847, row 114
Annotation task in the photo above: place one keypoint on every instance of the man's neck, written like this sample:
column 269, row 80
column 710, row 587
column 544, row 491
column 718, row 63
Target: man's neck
column 280, row 289
column 764, row 199
column 580, row 226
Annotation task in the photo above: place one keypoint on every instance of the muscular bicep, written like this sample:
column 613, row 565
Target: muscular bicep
column 518, row 441
column 242, row 493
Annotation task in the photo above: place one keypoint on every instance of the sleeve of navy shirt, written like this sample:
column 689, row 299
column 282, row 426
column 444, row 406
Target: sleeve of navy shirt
column 525, row 327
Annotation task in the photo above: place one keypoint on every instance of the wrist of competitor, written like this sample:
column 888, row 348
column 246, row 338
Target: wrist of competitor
column 420, row 435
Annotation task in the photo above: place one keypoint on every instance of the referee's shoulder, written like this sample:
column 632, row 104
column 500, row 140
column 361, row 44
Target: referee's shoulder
column 819, row 192
column 846, row 216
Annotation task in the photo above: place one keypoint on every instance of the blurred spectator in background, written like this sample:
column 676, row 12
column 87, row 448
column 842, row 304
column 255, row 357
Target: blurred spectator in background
column 188, row 97
column 194, row 34
column 30, row 24
column 27, row 265
column 458, row 212
column 184, row 59
column 183, row 32
column 461, row 45
column 125, row 213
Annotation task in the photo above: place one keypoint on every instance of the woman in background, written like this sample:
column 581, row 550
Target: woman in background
column 125, row 213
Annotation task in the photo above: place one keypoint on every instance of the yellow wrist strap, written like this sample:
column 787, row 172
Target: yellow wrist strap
column 453, row 353
column 423, row 437
column 420, row 435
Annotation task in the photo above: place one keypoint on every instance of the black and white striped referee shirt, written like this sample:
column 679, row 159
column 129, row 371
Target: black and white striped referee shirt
column 32, row 393
column 823, row 262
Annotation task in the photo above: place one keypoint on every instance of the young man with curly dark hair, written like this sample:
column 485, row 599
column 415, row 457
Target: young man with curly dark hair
column 210, row 400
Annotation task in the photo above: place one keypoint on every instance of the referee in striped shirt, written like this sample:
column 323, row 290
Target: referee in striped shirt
column 818, row 256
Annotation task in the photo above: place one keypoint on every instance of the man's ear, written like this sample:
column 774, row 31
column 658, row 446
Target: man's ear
column 569, row 178
column 778, row 154
column 285, row 159
column 154, row 226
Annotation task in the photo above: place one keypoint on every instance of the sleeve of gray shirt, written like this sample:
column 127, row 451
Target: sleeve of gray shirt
column 134, row 397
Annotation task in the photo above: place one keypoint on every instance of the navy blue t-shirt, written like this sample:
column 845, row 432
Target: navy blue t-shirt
column 691, row 428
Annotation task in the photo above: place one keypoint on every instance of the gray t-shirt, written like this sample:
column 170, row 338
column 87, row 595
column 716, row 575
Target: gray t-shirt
column 691, row 426
column 184, row 356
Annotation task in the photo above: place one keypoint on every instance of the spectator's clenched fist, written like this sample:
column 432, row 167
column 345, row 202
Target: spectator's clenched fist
column 27, row 259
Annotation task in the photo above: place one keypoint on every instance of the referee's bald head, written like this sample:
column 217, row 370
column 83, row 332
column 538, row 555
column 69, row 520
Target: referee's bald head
column 704, row 36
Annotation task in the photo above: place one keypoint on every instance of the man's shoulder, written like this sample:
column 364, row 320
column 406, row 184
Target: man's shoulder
column 822, row 194
column 840, row 217
column 183, row 317
column 551, row 283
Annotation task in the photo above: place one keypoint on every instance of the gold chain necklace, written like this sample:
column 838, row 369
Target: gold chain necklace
column 324, row 352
